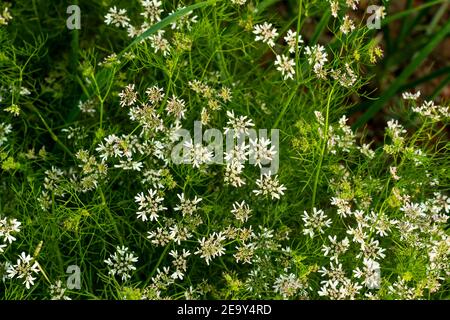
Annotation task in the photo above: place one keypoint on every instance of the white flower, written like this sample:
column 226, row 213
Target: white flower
column 315, row 222
column 5, row 17
column 371, row 250
column 370, row 274
column 183, row 21
column 153, row 177
column 5, row 129
column 187, row 206
column 239, row 2
column 152, row 10
column 344, row 209
column 179, row 262
column 358, row 234
column 346, row 77
column 128, row 96
column 57, row 291
column 287, row 285
column 335, row 248
column 365, row 150
column 24, row 269
column 241, row 211
column 121, row 263
column 285, row 66
column 269, row 186
column 159, row 43
column 334, row 273
column 334, row 5
column 233, row 171
column 430, row 110
column 155, row 94
column 317, row 56
column 260, row 152
column 265, row 33
column 87, row 106
column 117, row 17
column 238, row 125
column 245, row 253
column 347, row 26
column 176, row 106
column 149, row 205
column 239, row 153
column 380, row 12
column 198, row 154
column 393, row 171
column 211, row 247
column 352, row 4
column 8, row 226
column 291, row 40
column 411, row 96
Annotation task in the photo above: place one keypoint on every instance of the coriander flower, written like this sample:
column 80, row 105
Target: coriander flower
column 238, row 125
column 239, row 153
column 285, row 66
column 411, row 96
column 233, row 172
column 317, row 56
column 370, row 274
column 211, row 247
column 159, row 43
column 291, row 40
column 260, row 152
column 265, row 33
column 185, row 20
column 57, row 291
column 5, row 17
column 241, row 211
column 335, row 248
column 198, row 154
column 347, row 26
column 5, row 129
column 128, row 96
column 287, row 285
column 25, row 267
column 155, row 94
column 117, row 17
column 352, row 4
column 8, row 226
column 269, row 186
column 245, row 253
column 239, row 2
column 152, row 10
column 315, row 222
column 176, row 106
column 334, row 6
column 187, row 206
column 149, row 205
column 121, row 263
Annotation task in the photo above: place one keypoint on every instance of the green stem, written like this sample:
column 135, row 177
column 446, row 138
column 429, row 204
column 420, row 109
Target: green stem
column 297, row 60
column 324, row 147
column 110, row 216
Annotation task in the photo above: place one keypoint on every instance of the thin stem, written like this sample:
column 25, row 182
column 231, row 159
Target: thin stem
column 324, row 147
column 297, row 60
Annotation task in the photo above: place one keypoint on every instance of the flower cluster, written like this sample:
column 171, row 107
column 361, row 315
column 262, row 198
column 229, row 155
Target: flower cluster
column 121, row 263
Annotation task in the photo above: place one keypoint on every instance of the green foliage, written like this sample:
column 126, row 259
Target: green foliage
column 85, row 144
